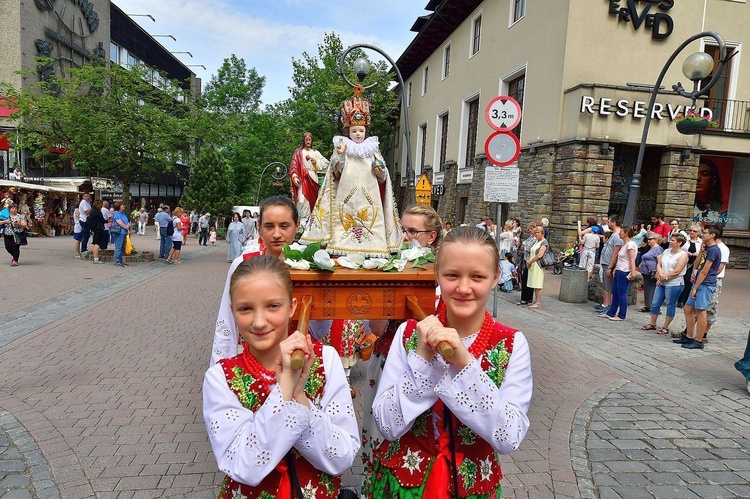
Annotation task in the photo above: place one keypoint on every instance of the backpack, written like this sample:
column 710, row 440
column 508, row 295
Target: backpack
column 170, row 227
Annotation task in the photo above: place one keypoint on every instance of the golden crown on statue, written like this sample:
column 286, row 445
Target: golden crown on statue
column 356, row 110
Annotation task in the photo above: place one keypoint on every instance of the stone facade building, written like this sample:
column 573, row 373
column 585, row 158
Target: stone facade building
column 583, row 73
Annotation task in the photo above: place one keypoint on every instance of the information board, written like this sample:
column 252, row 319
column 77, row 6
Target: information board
column 501, row 184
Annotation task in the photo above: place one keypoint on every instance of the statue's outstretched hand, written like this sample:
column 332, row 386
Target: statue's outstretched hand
column 341, row 148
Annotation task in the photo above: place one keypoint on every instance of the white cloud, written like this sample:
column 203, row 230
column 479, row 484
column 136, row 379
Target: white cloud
column 268, row 34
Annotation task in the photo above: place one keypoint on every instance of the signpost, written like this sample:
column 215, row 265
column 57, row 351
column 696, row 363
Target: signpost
column 503, row 113
column 502, row 148
column 501, row 185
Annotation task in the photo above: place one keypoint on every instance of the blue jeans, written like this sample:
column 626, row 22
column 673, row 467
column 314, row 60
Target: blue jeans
column 620, row 287
column 671, row 294
column 743, row 365
column 165, row 243
column 119, row 242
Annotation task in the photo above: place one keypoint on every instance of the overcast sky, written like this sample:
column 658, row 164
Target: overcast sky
column 269, row 33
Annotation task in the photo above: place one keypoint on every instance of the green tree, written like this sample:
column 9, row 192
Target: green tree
column 108, row 120
column 234, row 89
column 211, row 183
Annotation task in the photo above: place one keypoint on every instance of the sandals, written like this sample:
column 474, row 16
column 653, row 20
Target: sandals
column 535, row 306
column 649, row 327
column 663, row 330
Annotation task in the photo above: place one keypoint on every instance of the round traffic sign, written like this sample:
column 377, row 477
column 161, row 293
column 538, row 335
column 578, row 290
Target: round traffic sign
column 503, row 113
column 502, row 148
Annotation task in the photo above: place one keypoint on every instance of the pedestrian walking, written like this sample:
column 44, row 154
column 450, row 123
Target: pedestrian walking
column 13, row 225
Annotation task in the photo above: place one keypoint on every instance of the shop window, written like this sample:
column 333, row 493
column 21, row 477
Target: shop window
column 721, row 192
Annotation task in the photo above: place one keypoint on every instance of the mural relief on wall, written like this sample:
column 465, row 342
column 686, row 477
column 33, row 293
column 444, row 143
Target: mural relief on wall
column 66, row 44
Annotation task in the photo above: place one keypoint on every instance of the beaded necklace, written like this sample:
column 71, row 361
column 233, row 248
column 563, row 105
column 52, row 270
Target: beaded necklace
column 263, row 376
column 483, row 338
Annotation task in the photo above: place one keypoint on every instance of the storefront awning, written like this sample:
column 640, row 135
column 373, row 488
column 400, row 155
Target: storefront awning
column 4, row 145
column 37, row 187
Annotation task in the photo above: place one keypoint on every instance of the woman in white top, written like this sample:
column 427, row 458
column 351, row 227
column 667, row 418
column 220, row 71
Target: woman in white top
column 692, row 247
column 505, row 239
column 670, row 269
column 174, row 253
column 624, row 272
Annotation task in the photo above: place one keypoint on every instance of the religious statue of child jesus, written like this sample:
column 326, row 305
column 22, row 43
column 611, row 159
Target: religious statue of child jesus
column 355, row 211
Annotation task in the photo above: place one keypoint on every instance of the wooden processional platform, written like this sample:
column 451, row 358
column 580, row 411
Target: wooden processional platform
column 364, row 294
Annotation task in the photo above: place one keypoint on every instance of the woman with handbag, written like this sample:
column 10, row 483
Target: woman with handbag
column 14, row 233
column 535, row 280
column 119, row 230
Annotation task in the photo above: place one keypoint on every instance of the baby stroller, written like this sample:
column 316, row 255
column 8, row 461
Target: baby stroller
column 565, row 261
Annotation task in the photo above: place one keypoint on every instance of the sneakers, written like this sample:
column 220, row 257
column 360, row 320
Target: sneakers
column 693, row 345
column 96, row 260
column 78, row 256
column 681, row 340
column 600, row 308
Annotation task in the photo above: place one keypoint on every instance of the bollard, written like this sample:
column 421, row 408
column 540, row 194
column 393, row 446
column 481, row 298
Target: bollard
column 574, row 287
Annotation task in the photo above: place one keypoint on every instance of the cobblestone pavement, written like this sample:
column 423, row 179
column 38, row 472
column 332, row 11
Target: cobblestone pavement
column 101, row 368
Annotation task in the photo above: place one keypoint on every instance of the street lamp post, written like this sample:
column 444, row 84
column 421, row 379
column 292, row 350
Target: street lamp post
column 361, row 68
column 696, row 67
column 279, row 174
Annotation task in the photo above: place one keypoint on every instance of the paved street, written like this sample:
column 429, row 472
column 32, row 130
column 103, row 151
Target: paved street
column 101, row 369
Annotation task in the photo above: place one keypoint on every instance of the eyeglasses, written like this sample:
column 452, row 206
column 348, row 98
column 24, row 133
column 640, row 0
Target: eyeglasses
column 692, row 230
column 414, row 232
column 651, row 239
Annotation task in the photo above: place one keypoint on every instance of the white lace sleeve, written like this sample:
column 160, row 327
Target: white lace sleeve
column 497, row 414
column 331, row 440
column 225, row 334
column 406, row 389
column 248, row 445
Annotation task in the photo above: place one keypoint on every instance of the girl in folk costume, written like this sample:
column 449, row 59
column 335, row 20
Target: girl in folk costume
column 277, row 432
column 420, row 224
column 448, row 422
column 278, row 222
column 355, row 211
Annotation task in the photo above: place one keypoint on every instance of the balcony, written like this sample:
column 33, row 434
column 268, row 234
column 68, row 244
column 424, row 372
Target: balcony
column 733, row 116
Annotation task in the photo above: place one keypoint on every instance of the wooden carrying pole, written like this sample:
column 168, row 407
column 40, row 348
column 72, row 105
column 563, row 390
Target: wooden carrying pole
column 443, row 347
column 298, row 356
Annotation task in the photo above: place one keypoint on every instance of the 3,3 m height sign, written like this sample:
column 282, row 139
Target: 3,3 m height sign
column 503, row 114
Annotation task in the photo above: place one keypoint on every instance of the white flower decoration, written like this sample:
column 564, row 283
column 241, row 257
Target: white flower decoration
column 374, row 263
column 298, row 264
column 298, row 247
column 399, row 264
column 321, row 257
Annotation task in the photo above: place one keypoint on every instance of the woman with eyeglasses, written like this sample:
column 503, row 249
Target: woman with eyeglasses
column 647, row 268
column 670, row 268
column 693, row 248
column 419, row 223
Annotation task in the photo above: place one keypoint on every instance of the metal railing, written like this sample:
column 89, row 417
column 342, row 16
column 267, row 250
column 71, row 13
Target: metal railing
column 731, row 115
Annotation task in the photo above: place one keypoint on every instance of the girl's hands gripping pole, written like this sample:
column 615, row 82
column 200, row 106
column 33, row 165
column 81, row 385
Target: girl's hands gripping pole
column 298, row 357
column 292, row 381
column 444, row 348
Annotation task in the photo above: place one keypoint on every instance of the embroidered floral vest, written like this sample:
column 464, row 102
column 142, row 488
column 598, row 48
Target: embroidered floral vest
column 314, row 483
column 409, row 457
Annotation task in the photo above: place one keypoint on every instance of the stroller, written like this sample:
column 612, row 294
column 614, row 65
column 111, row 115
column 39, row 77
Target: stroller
column 565, row 261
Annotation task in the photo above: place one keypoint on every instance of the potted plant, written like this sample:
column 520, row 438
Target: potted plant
column 691, row 123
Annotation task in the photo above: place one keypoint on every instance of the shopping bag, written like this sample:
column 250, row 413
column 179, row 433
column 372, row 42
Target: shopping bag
column 128, row 245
